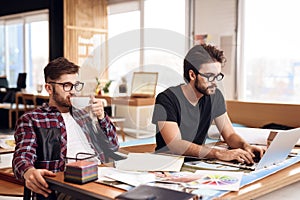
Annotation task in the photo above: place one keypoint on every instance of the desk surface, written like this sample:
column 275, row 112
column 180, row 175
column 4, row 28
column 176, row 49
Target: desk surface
column 11, row 189
column 14, row 189
column 266, row 185
column 128, row 100
column 6, row 151
column 37, row 95
column 94, row 190
column 9, row 185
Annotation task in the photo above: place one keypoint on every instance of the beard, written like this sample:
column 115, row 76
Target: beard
column 60, row 101
column 205, row 90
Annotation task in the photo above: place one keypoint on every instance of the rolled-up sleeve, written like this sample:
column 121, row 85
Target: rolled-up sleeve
column 25, row 151
column 110, row 131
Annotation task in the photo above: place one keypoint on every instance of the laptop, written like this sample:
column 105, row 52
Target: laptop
column 277, row 152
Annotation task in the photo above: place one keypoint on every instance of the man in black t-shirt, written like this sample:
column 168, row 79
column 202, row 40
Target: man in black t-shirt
column 184, row 113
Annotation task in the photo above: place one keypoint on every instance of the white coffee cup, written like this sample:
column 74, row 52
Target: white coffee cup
column 80, row 102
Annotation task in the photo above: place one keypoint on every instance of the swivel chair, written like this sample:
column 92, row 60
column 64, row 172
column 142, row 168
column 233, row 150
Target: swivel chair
column 3, row 87
column 10, row 97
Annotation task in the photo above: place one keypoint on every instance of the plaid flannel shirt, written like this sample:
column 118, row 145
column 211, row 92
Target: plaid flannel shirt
column 46, row 117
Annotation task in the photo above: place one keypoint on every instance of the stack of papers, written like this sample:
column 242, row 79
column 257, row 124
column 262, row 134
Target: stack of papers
column 7, row 142
column 163, row 170
column 150, row 162
column 110, row 174
column 201, row 179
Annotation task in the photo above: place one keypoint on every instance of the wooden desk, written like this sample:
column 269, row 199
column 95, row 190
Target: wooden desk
column 11, row 189
column 266, row 185
column 94, row 190
column 133, row 101
column 253, row 114
column 6, row 151
column 128, row 100
column 9, row 185
column 17, row 107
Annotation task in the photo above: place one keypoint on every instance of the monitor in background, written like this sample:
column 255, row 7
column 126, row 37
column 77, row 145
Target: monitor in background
column 144, row 84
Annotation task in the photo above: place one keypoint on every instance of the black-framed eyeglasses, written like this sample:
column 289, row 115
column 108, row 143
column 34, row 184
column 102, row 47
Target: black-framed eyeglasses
column 211, row 77
column 68, row 86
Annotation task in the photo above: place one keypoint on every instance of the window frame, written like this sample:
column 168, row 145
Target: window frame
column 24, row 19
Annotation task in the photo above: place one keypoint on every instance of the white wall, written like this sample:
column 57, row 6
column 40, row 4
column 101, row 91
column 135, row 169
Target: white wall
column 217, row 18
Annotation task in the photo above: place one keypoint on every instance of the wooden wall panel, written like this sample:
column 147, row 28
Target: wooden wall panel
column 259, row 114
column 83, row 20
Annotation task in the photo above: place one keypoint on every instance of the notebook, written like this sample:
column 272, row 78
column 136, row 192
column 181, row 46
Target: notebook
column 277, row 152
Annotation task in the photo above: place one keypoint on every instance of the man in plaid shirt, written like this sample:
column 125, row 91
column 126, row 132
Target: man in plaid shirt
column 46, row 136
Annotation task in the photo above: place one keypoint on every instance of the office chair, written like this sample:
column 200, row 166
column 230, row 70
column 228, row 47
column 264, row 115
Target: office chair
column 3, row 82
column 10, row 96
column 21, row 82
column 3, row 87
column 29, row 102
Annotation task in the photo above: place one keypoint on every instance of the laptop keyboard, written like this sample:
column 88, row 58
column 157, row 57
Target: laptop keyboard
column 235, row 163
column 238, row 164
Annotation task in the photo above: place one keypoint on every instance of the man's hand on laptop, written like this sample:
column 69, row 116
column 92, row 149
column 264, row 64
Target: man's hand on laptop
column 256, row 152
column 240, row 155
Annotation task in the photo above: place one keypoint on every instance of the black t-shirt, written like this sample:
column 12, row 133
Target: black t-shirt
column 193, row 121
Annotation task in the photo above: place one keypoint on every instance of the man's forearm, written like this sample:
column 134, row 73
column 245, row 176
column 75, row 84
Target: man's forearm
column 183, row 147
column 235, row 141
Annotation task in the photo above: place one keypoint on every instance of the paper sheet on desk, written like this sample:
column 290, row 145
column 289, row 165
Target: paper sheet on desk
column 7, row 142
column 251, row 135
column 150, row 162
column 106, row 174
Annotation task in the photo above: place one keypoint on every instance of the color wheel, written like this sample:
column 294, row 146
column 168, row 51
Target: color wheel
column 217, row 179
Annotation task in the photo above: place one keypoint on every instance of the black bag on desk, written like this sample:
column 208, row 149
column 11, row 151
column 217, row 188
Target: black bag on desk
column 146, row 192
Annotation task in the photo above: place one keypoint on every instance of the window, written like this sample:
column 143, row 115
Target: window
column 37, row 48
column 167, row 56
column 2, row 49
column 122, row 27
column 269, row 54
column 15, row 48
column 24, row 46
column 142, row 27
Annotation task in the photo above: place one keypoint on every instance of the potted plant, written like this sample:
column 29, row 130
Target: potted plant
column 106, row 87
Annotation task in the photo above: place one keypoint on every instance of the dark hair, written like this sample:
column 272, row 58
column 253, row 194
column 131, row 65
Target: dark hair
column 201, row 54
column 58, row 67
